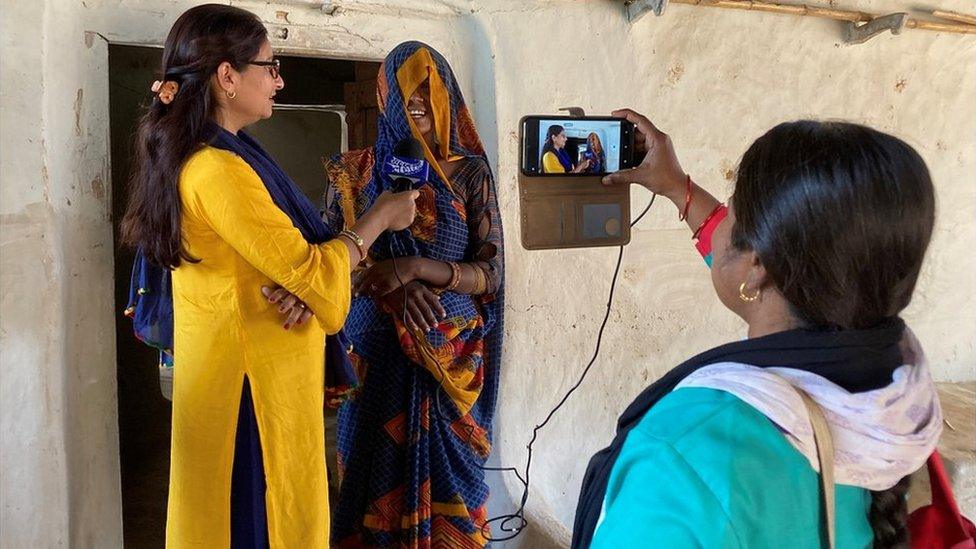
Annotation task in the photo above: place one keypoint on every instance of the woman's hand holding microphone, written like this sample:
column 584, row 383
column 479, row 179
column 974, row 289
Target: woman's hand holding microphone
column 390, row 212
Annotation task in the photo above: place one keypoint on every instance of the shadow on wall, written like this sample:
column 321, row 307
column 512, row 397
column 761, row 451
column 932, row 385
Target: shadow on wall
column 543, row 530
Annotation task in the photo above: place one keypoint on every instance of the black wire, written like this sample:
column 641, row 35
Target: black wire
column 403, row 286
column 519, row 513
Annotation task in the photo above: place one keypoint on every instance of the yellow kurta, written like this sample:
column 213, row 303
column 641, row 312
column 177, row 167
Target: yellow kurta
column 224, row 330
column 550, row 164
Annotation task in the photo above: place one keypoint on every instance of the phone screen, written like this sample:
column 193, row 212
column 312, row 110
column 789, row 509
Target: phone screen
column 562, row 145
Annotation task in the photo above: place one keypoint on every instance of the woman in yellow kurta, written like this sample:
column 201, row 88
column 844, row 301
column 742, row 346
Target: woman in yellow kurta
column 210, row 205
column 554, row 156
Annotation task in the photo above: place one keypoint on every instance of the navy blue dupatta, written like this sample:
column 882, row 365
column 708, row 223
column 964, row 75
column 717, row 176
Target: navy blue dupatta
column 150, row 293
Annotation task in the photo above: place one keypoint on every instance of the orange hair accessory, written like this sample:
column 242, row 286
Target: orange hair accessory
column 165, row 90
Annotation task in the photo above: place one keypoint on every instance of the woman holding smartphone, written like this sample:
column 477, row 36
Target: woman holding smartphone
column 818, row 251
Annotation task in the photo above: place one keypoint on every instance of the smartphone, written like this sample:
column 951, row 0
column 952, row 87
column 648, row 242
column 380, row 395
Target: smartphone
column 571, row 145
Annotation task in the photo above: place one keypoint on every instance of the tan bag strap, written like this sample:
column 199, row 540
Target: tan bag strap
column 825, row 455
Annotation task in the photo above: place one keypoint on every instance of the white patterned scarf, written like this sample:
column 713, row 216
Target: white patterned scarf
column 879, row 436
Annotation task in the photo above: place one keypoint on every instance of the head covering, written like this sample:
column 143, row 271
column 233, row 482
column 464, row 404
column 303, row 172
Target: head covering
column 403, row 71
column 438, row 387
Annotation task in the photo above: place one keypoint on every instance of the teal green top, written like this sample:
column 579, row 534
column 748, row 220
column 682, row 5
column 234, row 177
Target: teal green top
column 705, row 469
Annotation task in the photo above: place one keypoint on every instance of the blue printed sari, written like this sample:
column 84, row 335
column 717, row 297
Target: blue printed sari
column 414, row 436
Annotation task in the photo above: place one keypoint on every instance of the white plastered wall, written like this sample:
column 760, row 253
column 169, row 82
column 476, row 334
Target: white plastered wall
column 713, row 79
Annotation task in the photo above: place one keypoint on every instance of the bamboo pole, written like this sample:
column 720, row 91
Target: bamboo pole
column 953, row 16
column 832, row 13
column 958, row 28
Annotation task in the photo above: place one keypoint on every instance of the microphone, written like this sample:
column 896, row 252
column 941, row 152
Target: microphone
column 406, row 168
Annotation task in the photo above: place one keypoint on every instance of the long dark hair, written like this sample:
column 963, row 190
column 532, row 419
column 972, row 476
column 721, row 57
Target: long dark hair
column 597, row 151
column 594, row 138
column 554, row 130
column 200, row 40
column 840, row 216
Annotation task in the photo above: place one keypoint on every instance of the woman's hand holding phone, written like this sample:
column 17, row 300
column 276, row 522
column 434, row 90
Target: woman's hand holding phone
column 659, row 171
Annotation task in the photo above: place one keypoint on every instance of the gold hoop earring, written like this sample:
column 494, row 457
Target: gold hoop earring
column 231, row 95
column 747, row 298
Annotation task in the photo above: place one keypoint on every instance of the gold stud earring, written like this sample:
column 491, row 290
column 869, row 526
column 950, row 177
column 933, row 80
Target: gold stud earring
column 231, row 95
column 747, row 298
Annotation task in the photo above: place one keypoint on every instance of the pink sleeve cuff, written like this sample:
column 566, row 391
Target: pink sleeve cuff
column 703, row 236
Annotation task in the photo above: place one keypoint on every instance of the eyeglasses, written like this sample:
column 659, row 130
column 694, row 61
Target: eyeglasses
column 274, row 66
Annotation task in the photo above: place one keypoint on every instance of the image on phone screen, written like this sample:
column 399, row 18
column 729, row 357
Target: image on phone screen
column 575, row 146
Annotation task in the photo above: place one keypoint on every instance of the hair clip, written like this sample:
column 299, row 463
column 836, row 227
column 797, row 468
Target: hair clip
column 165, row 90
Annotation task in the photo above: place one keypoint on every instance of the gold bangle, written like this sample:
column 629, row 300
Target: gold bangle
column 455, row 277
column 481, row 282
column 357, row 240
column 487, row 281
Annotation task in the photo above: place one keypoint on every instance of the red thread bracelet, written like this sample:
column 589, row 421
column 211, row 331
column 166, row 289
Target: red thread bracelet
column 683, row 215
column 707, row 219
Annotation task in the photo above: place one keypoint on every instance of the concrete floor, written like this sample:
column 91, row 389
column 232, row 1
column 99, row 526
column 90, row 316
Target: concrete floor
column 145, row 480
column 145, row 489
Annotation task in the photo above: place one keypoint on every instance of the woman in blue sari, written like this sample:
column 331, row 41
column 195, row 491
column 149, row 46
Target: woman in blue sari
column 426, row 330
column 595, row 154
